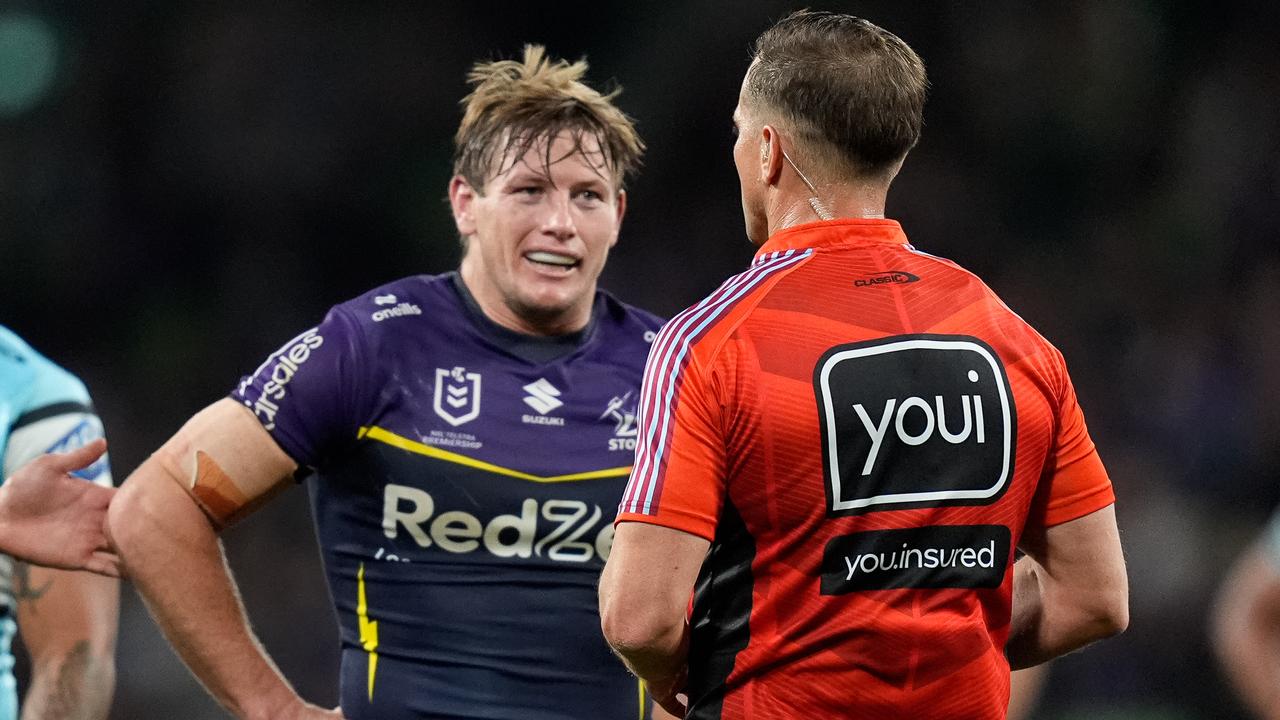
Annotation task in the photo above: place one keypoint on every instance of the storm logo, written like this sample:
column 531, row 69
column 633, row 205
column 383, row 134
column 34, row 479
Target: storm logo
column 622, row 411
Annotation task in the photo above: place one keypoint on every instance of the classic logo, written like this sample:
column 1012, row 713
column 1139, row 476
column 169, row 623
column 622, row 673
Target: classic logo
column 914, row 421
column 622, row 410
column 387, row 299
column 885, row 278
column 457, row 396
column 543, row 396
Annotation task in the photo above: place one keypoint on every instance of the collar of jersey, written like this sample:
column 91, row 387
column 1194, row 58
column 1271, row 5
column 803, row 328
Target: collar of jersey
column 536, row 349
column 834, row 233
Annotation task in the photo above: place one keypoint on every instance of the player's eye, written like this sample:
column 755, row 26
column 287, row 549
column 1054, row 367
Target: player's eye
column 529, row 190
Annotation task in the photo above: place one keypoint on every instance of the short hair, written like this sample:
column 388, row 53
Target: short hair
column 843, row 80
column 514, row 104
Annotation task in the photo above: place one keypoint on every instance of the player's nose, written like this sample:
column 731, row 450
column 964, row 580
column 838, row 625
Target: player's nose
column 558, row 220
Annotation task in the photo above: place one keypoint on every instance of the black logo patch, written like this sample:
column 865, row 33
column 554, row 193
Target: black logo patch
column 941, row 556
column 885, row 278
column 914, row 421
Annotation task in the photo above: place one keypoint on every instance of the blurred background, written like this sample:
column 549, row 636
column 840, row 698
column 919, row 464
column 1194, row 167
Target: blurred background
column 184, row 186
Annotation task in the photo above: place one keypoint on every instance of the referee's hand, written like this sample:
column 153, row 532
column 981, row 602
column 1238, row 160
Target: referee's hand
column 48, row 517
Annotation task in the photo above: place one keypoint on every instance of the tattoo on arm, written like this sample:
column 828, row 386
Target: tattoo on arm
column 22, row 588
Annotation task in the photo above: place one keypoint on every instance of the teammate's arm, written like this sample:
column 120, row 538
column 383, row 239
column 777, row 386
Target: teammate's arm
column 1069, row 590
column 163, row 522
column 644, row 595
column 1246, row 630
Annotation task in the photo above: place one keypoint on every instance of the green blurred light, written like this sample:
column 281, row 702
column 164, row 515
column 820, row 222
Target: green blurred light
column 28, row 62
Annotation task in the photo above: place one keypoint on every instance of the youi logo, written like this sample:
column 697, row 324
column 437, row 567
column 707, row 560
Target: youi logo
column 914, row 420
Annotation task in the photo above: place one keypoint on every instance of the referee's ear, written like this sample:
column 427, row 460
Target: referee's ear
column 770, row 155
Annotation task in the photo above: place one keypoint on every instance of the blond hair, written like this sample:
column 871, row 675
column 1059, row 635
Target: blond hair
column 514, row 105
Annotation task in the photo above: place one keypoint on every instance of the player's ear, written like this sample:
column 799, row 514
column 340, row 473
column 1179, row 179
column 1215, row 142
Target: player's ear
column 621, row 204
column 770, row 155
column 462, row 200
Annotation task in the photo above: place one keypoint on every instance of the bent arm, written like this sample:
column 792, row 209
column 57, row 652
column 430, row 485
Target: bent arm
column 1024, row 691
column 162, row 523
column 644, row 593
column 1246, row 631
column 1070, row 590
column 68, row 624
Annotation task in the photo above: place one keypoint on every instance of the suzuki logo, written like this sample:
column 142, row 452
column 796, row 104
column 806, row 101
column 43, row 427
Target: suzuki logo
column 542, row 396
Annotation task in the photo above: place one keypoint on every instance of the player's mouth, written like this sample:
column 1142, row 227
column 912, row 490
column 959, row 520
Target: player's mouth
column 552, row 262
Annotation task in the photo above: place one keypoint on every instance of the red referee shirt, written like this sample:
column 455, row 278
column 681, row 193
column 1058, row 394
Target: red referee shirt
column 862, row 431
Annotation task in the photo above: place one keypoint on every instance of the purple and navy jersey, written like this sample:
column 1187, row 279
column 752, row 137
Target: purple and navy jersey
column 464, row 485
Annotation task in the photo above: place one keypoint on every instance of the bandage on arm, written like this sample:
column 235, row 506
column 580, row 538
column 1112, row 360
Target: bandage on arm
column 226, row 464
column 226, row 461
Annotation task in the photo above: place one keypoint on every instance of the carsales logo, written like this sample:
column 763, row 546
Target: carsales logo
column 287, row 362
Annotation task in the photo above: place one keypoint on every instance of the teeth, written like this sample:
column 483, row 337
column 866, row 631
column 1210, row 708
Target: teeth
column 552, row 258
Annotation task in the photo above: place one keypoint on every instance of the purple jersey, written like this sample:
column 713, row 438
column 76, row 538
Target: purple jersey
column 464, row 484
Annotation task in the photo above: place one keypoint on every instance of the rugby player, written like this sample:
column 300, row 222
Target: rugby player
column 1246, row 624
column 49, row 432
column 467, row 436
column 842, row 447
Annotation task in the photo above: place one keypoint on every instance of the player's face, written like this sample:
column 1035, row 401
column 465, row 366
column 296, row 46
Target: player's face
column 746, row 158
column 539, row 236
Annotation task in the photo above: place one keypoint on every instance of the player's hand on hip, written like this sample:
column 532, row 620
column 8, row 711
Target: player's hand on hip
column 675, row 707
column 48, row 517
column 668, row 693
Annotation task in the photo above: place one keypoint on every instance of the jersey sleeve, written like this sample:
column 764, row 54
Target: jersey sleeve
column 58, row 417
column 678, row 479
column 1075, row 483
column 310, row 395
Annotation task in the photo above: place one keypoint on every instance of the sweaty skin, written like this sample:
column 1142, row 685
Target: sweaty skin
column 165, row 537
column 216, row 457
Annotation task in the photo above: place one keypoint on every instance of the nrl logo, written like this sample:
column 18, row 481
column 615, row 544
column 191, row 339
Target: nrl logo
column 457, row 396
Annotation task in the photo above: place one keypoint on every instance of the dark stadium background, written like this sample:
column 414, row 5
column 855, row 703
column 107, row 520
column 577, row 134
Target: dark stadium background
column 184, row 186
